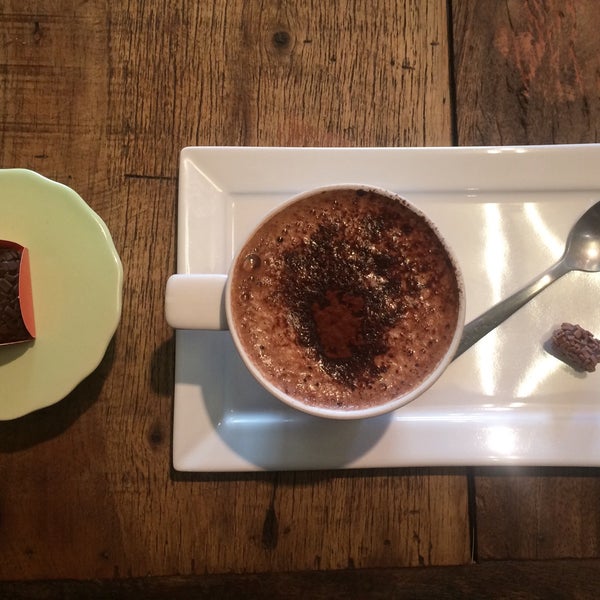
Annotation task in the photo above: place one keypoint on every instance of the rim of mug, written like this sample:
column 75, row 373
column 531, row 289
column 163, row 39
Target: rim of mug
column 371, row 410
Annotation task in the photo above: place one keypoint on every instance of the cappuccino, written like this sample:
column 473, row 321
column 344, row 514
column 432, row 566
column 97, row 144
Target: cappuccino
column 345, row 299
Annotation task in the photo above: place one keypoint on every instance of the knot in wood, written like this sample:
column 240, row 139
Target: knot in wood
column 281, row 39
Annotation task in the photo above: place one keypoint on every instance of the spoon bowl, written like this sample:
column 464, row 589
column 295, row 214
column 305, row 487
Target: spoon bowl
column 582, row 252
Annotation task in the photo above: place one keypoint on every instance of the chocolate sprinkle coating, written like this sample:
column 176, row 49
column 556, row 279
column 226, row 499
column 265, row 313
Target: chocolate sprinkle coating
column 12, row 327
column 577, row 347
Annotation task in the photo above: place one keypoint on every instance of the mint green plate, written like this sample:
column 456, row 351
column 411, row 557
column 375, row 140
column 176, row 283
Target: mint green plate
column 76, row 278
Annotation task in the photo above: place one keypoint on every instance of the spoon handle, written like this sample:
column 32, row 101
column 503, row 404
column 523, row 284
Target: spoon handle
column 490, row 319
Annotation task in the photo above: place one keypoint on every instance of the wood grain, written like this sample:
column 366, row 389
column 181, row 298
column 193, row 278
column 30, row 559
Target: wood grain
column 510, row 580
column 102, row 96
column 538, row 513
column 527, row 73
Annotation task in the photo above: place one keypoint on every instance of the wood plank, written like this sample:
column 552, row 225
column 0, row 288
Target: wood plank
column 508, row 580
column 526, row 71
column 102, row 96
column 537, row 513
column 540, row 62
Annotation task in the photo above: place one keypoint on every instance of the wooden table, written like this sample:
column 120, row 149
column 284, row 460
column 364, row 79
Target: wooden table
column 102, row 96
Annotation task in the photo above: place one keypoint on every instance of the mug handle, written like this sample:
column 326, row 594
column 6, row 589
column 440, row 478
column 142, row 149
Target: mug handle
column 196, row 301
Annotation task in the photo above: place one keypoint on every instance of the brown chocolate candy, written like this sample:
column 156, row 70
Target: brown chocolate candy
column 12, row 325
column 577, row 347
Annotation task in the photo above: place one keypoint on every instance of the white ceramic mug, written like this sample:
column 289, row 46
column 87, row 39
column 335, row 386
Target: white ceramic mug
column 203, row 301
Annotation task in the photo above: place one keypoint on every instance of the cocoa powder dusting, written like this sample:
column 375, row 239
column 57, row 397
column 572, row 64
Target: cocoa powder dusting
column 340, row 316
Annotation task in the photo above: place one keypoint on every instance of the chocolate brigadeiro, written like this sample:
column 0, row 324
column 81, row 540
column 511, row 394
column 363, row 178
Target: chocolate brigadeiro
column 576, row 346
column 16, row 310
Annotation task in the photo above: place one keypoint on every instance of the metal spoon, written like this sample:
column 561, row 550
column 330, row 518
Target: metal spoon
column 582, row 253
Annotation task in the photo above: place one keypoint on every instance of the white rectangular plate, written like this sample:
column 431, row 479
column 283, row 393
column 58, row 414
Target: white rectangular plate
column 505, row 211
